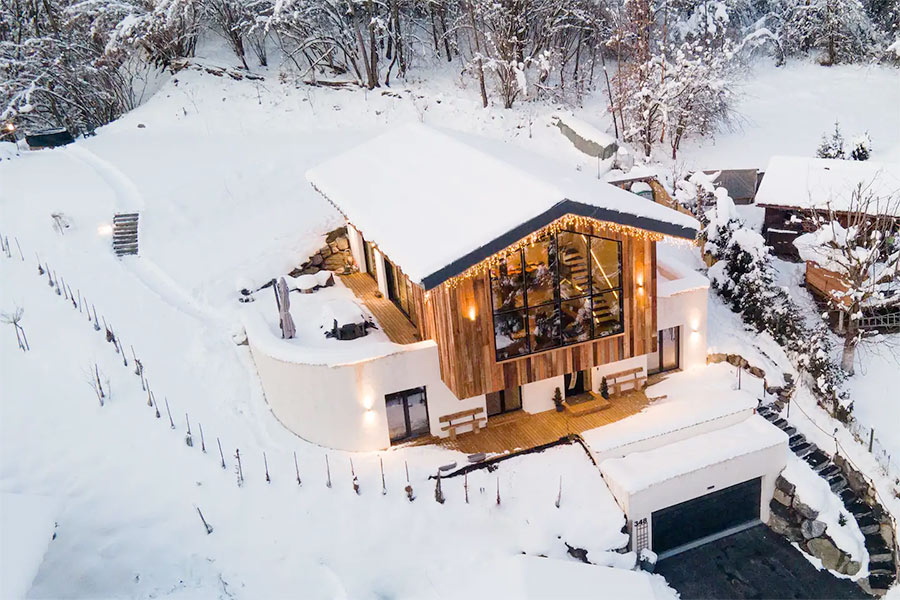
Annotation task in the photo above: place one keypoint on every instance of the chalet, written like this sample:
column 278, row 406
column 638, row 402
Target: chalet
column 794, row 188
column 498, row 285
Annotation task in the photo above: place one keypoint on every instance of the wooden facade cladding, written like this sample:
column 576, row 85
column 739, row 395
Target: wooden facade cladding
column 459, row 318
column 827, row 284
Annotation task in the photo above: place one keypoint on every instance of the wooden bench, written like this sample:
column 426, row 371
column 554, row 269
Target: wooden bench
column 465, row 417
column 632, row 377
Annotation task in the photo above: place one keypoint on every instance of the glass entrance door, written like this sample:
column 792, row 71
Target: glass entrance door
column 668, row 351
column 574, row 384
column 407, row 414
column 503, row 401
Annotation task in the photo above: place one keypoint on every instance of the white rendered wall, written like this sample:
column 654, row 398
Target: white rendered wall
column 538, row 396
column 766, row 463
column 600, row 371
column 686, row 309
column 356, row 247
column 343, row 407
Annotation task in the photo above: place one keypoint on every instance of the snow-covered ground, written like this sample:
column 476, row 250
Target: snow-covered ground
column 216, row 168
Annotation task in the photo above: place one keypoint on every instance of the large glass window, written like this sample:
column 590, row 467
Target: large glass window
column 562, row 290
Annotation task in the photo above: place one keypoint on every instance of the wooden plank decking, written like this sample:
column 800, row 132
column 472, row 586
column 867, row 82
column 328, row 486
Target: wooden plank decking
column 390, row 319
column 520, row 430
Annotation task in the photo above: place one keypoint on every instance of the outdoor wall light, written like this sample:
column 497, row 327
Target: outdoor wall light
column 105, row 229
column 472, row 312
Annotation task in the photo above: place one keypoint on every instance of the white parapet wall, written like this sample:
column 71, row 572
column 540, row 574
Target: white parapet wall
column 343, row 406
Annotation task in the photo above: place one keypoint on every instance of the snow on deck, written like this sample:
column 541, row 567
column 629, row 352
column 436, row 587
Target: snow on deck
column 641, row 470
column 26, row 528
column 815, row 182
column 674, row 276
column 313, row 314
column 426, row 198
column 694, row 398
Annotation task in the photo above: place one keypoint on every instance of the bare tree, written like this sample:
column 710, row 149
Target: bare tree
column 15, row 318
column 857, row 239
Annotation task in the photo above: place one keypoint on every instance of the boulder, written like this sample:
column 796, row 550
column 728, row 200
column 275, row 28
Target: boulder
column 785, row 486
column 333, row 235
column 785, row 513
column 812, row 528
column 806, row 511
column 784, row 529
column 851, row 568
column 325, row 251
column 824, row 549
column 716, row 358
column 757, row 372
column 781, row 497
column 316, row 260
column 342, row 243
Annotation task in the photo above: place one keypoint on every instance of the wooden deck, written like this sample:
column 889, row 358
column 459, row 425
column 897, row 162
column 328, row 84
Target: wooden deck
column 520, row 430
column 390, row 319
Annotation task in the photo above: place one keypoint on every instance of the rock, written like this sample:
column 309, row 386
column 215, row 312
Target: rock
column 757, row 372
column 716, row 358
column 806, row 511
column 343, row 243
column 785, row 486
column 825, row 549
column 887, row 533
column 851, row 568
column 325, row 251
column 784, row 529
column 316, row 260
column 788, row 378
column 335, row 262
column 781, row 497
column 734, row 360
column 811, row 528
column 333, row 235
column 785, row 513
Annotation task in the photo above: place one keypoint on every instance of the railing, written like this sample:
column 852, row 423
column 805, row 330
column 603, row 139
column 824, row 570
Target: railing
column 880, row 321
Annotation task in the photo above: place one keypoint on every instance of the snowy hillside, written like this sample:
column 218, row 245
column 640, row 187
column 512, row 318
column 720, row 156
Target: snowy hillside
column 216, row 168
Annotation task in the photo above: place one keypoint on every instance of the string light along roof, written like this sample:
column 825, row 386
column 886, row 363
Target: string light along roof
column 437, row 207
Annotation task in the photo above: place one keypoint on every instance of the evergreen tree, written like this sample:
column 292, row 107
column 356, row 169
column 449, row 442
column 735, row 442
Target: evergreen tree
column 832, row 146
column 840, row 29
column 861, row 147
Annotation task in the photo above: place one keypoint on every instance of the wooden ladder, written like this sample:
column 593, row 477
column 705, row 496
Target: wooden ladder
column 125, row 233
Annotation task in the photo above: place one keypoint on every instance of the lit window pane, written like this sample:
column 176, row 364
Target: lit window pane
column 510, row 335
column 540, row 272
column 544, row 324
column 607, row 314
column 507, row 284
column 576, row 320
column 574, row 280
column 605, row 271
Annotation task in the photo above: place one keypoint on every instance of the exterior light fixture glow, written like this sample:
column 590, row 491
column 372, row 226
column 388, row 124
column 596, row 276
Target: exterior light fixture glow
column 105, row 230
column 472, row 312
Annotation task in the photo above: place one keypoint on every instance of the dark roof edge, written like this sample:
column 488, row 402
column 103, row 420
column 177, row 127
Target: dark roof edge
column 558, row 210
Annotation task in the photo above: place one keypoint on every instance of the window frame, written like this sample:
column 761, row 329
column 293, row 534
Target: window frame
column 557, row 300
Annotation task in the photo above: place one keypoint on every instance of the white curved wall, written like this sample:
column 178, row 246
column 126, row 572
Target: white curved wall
column 343, row 406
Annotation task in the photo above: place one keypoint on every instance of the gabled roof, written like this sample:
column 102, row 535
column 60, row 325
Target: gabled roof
column 740, row 183
column 811, row 183
column 436, row 205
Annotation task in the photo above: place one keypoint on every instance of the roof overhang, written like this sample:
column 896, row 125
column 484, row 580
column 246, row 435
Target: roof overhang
column 561, row 209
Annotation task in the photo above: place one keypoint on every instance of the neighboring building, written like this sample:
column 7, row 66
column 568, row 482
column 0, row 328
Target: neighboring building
column 585, row 137
column 741, row 184
column 795, row 187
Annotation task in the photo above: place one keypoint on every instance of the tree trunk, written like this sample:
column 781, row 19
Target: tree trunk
column 484, row 99
column 848, row 354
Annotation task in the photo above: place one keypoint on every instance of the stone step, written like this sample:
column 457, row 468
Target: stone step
column 804, row 452
column 859, row 509
column 771, row 417
column 801, row 449
column 868, row 524
column 790, row 430
column 829, row 470
column 780, row 423
column 816, row 458
column 881, row 568
column 848, row 497
column 837, row 483
column 881, row 582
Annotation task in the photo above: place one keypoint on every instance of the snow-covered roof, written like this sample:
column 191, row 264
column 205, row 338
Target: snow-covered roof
column 436, row 205
column 26, row 528
column 811, row 183
column 674, row 276
column 586, row 130
column 641, row 470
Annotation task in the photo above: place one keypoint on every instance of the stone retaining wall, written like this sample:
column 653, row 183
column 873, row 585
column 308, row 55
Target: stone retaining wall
column 333, row 256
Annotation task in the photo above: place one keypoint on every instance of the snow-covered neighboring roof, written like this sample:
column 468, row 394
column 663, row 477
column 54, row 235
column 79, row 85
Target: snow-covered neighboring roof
column 809, row 183
column 436, row 205
column 26, row 528
column 641, row 470
column 585, row 130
